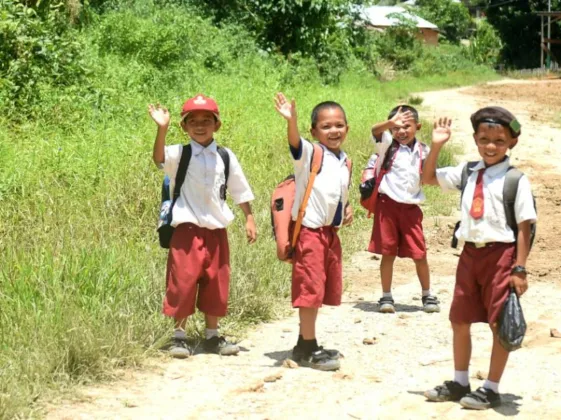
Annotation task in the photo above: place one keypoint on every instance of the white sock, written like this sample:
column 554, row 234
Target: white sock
column 461, row 377
column 426, row 292
column 179, row 333
column 493, row 386
column 387, row 294
column 211, row 333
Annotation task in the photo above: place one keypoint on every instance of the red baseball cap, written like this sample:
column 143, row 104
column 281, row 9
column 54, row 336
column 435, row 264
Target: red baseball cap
column 200, row 103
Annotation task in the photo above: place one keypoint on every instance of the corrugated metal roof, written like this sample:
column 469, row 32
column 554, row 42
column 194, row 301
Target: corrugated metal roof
column 378, row 16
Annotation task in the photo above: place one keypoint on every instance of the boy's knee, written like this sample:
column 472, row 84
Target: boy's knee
column 421, row 261
column 494, row 328
column 388, row 258
column 461, row 328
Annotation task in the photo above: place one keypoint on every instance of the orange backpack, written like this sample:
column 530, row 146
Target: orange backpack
column 286, row 230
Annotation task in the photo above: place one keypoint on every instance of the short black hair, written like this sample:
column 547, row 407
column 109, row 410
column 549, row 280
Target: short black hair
column 325, row 105
column 403, row 109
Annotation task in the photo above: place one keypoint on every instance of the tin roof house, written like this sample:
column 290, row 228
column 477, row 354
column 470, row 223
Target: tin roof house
column 381, row 17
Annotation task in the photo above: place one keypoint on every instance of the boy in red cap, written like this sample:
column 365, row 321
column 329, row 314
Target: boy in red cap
column 494, row 255
column 398, row 220
column 317, row 276
column 199, row 256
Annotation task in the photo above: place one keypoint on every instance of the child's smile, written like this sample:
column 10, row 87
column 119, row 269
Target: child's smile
column 331, row 128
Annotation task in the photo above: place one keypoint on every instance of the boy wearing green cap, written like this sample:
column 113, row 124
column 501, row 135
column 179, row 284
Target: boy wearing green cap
column 494, row 255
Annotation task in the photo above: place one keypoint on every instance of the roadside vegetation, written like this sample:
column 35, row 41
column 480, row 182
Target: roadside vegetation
column 81, row 273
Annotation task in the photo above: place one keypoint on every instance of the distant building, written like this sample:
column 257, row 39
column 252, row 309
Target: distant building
column 376, row 17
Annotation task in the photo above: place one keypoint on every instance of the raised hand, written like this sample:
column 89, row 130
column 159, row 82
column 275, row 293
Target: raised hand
column 159, row 114
column 285, row 108
column 441, row 131
column 402, row 118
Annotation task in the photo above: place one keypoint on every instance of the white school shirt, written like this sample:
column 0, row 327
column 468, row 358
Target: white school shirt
column 403, row 182
column 330, row 188
column 492, row 227
column 199, row 200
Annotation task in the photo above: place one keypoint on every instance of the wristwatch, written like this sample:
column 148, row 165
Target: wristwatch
column 518, row 269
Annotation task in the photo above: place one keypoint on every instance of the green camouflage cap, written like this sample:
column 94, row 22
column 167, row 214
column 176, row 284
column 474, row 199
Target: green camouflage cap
column 496, row 115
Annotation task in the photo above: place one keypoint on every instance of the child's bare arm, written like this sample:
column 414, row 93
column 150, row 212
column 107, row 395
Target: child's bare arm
column 440, row 135
column 288, row 111
column 397, row 120
column 518, row 280
column 161, row 117
column 348, row 219
column 250, row 229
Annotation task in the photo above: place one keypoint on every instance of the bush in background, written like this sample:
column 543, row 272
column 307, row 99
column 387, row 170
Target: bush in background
column 36, row 51
column 485, row 46
column 452, row 18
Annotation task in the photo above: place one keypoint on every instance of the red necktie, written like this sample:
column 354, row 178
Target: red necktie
column 477, row 204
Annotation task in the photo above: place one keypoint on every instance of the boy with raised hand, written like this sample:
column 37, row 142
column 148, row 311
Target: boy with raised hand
column 198, row 268
column 317, row 275
column 398, row 220
column 494, row 256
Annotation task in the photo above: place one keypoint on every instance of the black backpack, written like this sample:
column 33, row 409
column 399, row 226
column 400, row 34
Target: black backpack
column 165, row 229
column 512, row 179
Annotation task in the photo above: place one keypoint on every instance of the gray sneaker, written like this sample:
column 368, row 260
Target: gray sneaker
column 220, row 346
column 448, row 391
column 430, row 304
column 319, row 359
column 386, row 305
column 481, row 399
column 179, row 348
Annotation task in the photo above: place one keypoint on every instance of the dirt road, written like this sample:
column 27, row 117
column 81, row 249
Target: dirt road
column 412, row 350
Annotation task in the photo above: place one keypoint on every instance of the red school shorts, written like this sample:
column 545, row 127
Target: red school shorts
column 397, row 230
column 198, row 258
column 317, row 270
column 482, row 283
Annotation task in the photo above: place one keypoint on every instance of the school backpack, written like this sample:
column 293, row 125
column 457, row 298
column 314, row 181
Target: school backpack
column 510, row 189
column 165, row 229
column 286, row 230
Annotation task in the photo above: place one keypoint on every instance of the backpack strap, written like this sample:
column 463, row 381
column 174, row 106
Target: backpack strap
column 226, row 159
column 181, row 171
column 317, row 160
column 466, row 172
column 510, row 188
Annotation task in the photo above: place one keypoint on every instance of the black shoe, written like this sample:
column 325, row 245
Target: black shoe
column 481, row 399
column 319, row 359
column 179, row 349
column 220, row 346
column 449, row 391
column 386, row 305
column 430, row 304
column 298, row 352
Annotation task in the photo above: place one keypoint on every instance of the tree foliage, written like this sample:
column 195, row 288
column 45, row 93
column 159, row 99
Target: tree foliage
column 452, row 18
column 36, row 49
column 322, row 29
column 519, row 28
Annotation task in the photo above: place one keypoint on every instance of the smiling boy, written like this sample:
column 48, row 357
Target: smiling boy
column 317, row 275
column 398, row 220
column 198, row 267
column 494, row 255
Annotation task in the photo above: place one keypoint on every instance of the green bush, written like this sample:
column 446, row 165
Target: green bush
column 486, row 45
column 441, row 59
column 452, row 18
column 36, row 51
column 399, row 43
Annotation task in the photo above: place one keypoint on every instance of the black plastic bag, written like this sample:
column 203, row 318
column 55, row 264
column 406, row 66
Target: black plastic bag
column 512, row 326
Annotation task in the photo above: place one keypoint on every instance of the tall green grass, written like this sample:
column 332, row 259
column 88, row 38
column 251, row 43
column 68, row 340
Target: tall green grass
column 81, row 273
